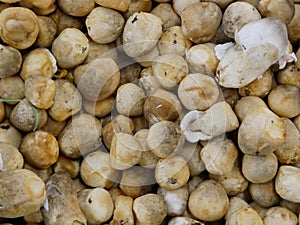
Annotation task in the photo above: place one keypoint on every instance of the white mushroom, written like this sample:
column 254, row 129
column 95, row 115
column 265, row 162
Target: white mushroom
column 256, row 49
column 217, row 120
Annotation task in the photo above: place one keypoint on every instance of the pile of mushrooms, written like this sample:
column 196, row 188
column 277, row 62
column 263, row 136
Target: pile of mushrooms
column 149, row 112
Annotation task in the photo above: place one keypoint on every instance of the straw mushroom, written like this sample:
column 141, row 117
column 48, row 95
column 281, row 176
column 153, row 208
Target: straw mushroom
column 10, row 157
column 150, row 209
column 67, row 165
column 259, row 169
column 125, row 151
column 12, row 88
column 62, row 205
column 67, row 100
column 264, row 194
column 95, row 84
column 261, row 132
column 236, row 15
column 200, row 21
column 78, row 8
column 290, row 74
column 93, row 201
column 104, row 25
column 286, row 183
column 96, row 171
column 172, row 173
column 165, row 138
column 167, row 14
column 172, row 41
column 209, row 201
column 198, row 91
column 199, row 125
column 289, row 151
column 280, row 215
column 283, row 9
column 40, row 91
column 137, row 181
column 219, row 156
column 123, row 211
column 137, row 6
column 141, row 33
column 284, row 100
column 9, row 134
column 70, row 48
column 80, row 136
column 161, row 105
column 47, row 32
column 11, row 61
column 20, row 27
column 26, row 196
column 202, row 58
column 39, row 61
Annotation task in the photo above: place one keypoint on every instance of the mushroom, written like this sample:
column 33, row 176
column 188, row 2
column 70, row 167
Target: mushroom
column 67, row 165
column 12, row 88
column 286, row 183
column 261, row 48
column 167, row 14
column 11, row 61
column 40, row 149
column 219, row 156
column 20, row 27
column 25, row 196
column 261, row 132
column 123, row 211
column 259, row 169
column 198, row 91
column 200, row 21
column 70, row 48
column 93, row 201
column 47, row 32
column 164, row 139
column 110, row 21
column 172, row 173
column 137, row 6
column 180, row 5
column 217, row 120
column 169, row 70
column 280, row 215
column 290, row 74
column 202, row 59
column 172, row 41
column 209, row 201
column 141, row 33
column 78, row 8
column 10, row 157
column 264, row 194
column 39, row 61
column 96, row 171
column 183, row 220
column 284, row 100
column 149, row 209
column 236, row 15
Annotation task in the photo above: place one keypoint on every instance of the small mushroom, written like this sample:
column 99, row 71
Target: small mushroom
column 209, row 201
column 259, row 169
column 290, row 74
column 264, row 194
column 200, row 21
column 286, row 183
column 12, row 88
column 169, row 70
column 96, row 171
column 110, row 21
column 149, row 209
column 123, row 212
column 167, row 14
column 93, row 201
column 67, row 165
column 284, row 100
column 280, row 215
column 10, row 157
column 78, row 8
column 20, row 27
column 198, row 91
column 261, row 132
column 172, row 173
column 180, row 5
column 219, row 156
column 217, row 120
column 11, row 61
column 47, row 32
column 141, row 33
